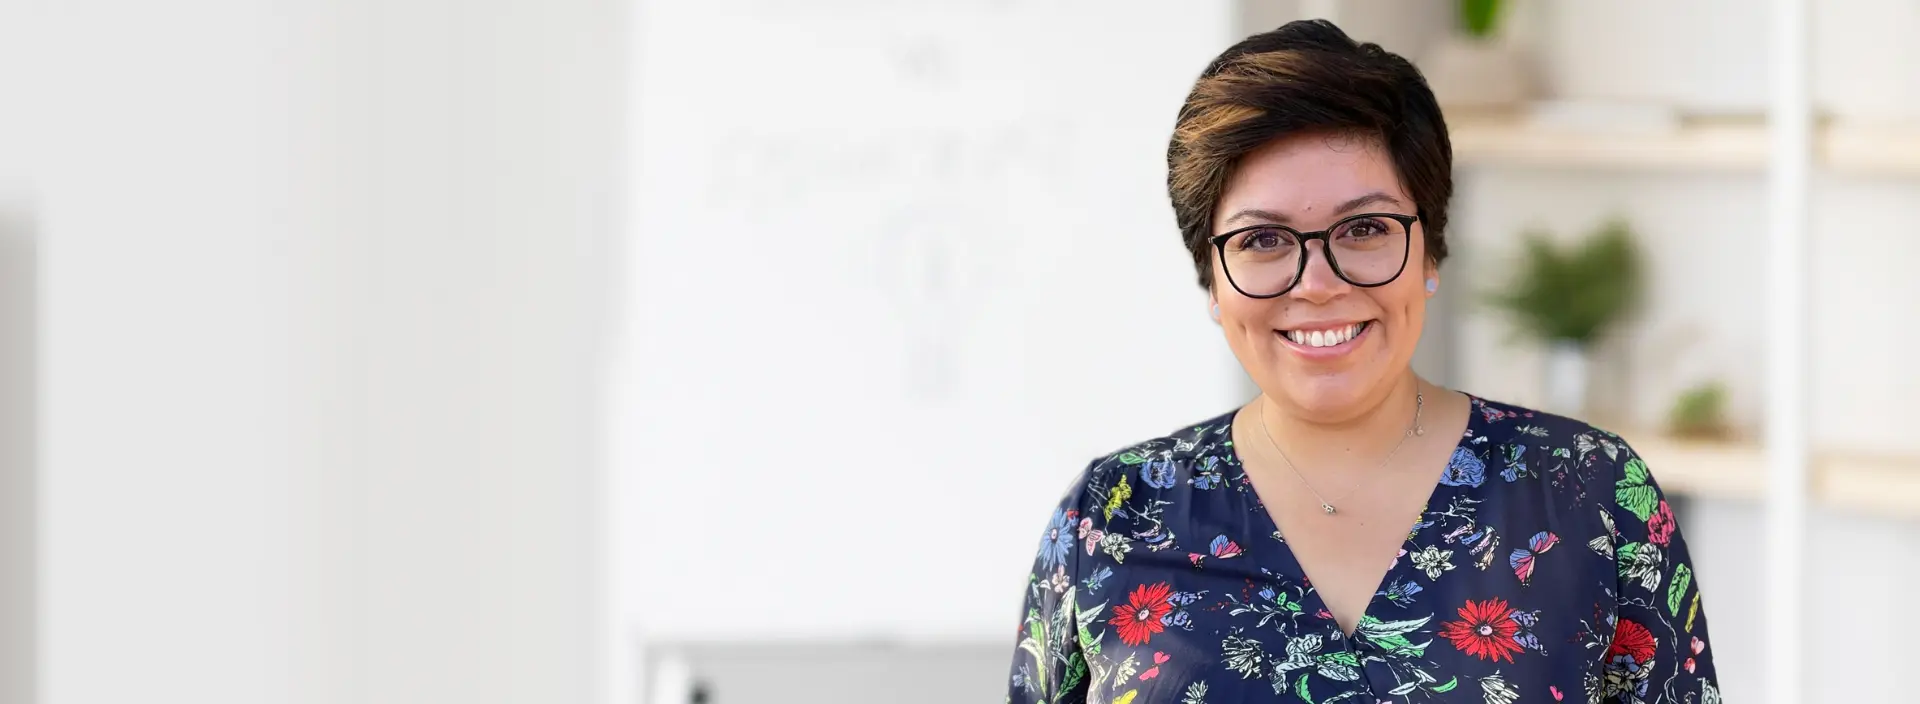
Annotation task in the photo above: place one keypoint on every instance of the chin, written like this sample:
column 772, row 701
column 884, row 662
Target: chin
column 1330, row 382
column 1328, row 396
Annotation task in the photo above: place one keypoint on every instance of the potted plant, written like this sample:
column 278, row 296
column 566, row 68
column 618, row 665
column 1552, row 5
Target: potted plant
column 1476, row 67
column 1567, row 297
column 1700, row 413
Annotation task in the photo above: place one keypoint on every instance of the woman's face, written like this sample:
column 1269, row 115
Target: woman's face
column 1308, row 182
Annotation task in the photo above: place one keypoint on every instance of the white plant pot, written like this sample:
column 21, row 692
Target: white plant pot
column 1478, row 74
column 1566, row 379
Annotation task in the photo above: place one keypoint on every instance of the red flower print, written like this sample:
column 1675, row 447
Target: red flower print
column 1633, row 639
column 1660, row 525
column 1485, row 630
column 1139, row 618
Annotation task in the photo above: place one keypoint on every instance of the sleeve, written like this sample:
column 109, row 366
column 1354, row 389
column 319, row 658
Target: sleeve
column 1049, row 666
column 1659, row 651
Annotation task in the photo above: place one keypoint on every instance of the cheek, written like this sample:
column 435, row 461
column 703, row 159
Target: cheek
column 1237, row 311
column 1405, row 307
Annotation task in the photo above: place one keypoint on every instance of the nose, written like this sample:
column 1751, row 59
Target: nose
column 1318, row 283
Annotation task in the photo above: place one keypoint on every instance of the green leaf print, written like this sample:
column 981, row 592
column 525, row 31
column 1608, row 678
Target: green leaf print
column 1343, row 657
column 1339, row 666
column 1300, row 688
column 1062, row 618
column 1677, row 588
column 1034, row 648
column 1391, row 635
column 1089, row 642
column 1076, row 671
column 1632, row 491
column 1376, row 629
column 1624, row 553
column 1448, row 687
column 1131, row 458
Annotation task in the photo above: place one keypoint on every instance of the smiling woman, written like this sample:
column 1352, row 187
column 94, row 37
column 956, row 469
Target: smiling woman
column 1362, row 534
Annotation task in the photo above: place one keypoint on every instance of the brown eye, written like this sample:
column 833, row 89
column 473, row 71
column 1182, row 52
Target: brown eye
column 1363, row 228
column 1265, row 240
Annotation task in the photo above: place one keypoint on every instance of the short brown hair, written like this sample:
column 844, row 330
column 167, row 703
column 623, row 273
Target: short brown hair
column 1305, row 76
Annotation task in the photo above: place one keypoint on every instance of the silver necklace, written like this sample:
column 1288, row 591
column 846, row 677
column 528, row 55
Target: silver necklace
column 1419, row 402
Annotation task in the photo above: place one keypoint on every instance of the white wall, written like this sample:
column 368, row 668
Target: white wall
column 899, row 274
column 1711, row 55
column 19, row 532
column 322, row 288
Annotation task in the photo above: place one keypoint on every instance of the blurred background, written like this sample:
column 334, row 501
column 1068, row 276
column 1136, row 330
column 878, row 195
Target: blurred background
column 735, row 350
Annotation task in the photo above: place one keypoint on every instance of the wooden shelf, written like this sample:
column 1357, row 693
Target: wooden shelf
column 1880, row 485
column 1511, row 141
column 1709, row 145
column 1871, row 150
column 1732, row 470
column 1888, row 486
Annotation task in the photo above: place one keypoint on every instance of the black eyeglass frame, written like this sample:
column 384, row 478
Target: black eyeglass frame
column 1326, row 246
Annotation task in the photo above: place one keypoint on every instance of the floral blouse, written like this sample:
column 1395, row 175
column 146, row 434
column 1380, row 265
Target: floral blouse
column 1545, row 567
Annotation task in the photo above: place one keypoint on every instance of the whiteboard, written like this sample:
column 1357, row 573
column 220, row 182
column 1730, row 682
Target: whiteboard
column 898, row 270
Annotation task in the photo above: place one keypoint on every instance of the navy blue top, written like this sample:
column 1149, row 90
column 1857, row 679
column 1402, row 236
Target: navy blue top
column 1545, row 567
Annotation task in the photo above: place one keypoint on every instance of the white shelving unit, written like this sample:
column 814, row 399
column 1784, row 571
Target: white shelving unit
column 1786, row 471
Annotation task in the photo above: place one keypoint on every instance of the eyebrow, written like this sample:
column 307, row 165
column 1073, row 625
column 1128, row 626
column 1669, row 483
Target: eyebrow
column 1258, row 215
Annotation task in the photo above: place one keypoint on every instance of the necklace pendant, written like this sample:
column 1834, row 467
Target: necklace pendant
column 1327, row 507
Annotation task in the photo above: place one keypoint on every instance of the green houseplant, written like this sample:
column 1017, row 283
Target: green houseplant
column 1699, row 413
column 1478, row 17
column 1567, row 296
column 1474, row 68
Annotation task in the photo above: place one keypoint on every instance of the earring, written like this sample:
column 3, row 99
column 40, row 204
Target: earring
column 1216, row 311
column 1433, row 285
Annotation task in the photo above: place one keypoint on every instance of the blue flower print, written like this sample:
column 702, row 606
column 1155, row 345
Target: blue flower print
column 1162, row 578
column 1464, row 469
column 1206, row 476
column 1401, row 592
column 1516, row 464
column 1157, row 473
column 1058, row 540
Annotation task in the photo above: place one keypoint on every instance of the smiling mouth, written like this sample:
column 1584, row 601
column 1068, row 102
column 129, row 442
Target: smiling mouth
column 1326, row 338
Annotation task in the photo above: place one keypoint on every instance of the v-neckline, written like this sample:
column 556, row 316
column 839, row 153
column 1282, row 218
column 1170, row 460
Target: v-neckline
column 1268, row 531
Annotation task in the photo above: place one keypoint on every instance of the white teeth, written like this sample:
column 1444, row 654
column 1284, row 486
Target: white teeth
column 1324, row 338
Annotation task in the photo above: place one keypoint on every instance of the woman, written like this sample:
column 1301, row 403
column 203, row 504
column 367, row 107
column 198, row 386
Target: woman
column 1355, row 533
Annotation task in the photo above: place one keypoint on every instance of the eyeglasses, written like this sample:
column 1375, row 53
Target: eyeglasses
column 1266, row 261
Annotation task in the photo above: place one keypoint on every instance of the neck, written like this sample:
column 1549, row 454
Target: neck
column 1360, row 437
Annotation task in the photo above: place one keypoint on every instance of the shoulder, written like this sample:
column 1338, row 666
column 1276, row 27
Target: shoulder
column 1196, row 454
column 1184, row 445
column 1575, row 456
